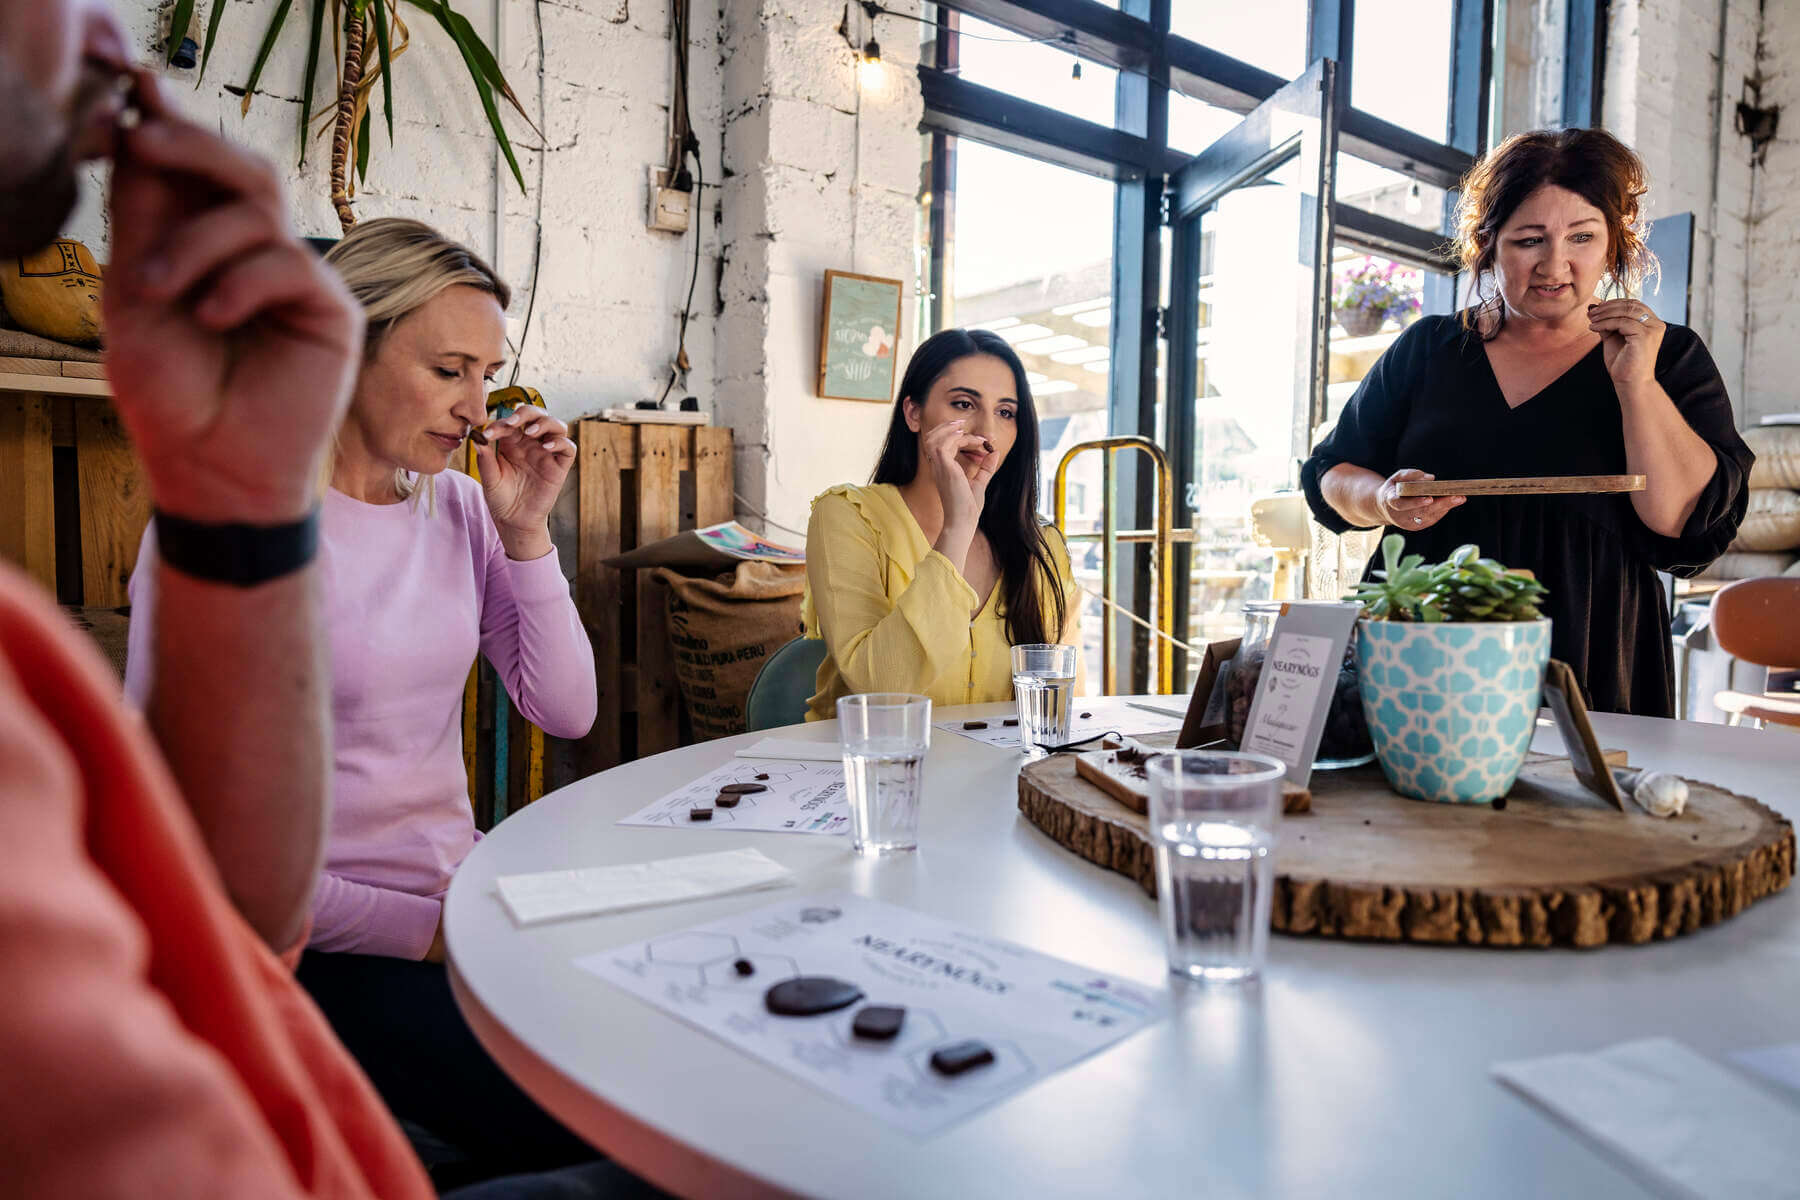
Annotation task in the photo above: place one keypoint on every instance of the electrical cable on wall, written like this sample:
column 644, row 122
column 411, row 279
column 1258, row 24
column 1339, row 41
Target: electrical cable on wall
column 689, row 147
column 537, row 237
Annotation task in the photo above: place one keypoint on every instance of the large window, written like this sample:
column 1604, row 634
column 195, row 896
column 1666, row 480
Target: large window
column 1049, row 141
column 1030, row 257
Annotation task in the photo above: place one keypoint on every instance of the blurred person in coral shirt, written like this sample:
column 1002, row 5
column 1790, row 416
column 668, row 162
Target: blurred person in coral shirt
column 151, row 870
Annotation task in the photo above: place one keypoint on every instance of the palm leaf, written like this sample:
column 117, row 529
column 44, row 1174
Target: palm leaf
column 480, row 59
column 485, row 92
column 362, row 148
column 312, row 69
column 178, row 25
column 212, row 33
column 262, row 53
column 484, row 58
column 384, row 44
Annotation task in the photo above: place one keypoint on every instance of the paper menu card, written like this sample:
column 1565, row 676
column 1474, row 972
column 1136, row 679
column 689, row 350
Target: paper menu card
column 1299, row 678
column 1674, row 1118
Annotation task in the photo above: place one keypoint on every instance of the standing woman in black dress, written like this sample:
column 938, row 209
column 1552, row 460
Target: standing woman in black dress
column 1542, row 377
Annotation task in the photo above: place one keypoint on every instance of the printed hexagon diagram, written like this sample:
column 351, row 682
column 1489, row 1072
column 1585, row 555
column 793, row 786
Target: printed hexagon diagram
column 694, row 949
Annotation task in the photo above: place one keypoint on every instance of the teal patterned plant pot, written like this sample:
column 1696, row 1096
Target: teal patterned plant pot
column 1452, row 707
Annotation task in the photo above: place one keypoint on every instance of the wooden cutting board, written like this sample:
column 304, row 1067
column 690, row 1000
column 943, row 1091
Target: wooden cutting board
column 1556, row 866
column 1122, row 776
column 1525, row 485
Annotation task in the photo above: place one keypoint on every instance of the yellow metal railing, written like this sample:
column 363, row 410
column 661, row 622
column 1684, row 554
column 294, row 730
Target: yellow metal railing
column 1162, row 541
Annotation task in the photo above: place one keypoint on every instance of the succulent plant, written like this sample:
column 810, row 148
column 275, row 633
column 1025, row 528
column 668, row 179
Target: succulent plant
column 1464, row 587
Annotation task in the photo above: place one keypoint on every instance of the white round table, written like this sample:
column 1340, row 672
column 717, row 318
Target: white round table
column 1351, row 1069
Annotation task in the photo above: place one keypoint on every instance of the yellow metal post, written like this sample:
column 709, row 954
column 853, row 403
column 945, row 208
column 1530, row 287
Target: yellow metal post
column 1162, row 540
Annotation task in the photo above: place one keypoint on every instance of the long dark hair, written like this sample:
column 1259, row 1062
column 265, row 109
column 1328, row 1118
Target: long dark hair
column 1592, row 163
column 1009, row 518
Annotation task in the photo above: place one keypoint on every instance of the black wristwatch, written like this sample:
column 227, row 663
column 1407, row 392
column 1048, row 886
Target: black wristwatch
column 238, row 554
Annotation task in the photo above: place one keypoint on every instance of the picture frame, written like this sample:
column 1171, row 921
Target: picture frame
column 859, row 330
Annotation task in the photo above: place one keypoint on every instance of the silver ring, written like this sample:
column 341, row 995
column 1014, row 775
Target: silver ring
column 1643, row 318
column 1418, row 520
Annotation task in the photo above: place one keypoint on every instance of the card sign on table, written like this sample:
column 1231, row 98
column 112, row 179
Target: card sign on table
column 1563, row 696
column 1299, row 678
column 983, row 1018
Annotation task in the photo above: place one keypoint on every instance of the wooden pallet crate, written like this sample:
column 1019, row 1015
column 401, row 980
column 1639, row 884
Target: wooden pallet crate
column 73, row 501
column 638, row 484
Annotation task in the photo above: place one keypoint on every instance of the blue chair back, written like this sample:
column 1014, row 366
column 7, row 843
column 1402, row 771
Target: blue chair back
column 786, row 682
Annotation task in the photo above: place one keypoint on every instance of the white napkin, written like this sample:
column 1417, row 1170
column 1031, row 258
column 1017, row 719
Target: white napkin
column 1679, row 1121
column 793, row 748
column 551, row 895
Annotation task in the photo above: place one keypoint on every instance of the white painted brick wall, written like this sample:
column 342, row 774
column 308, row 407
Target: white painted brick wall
column 1663, row 97
column 604, row 327
column 1773, row 367
column 822, row 173
column 806, row 169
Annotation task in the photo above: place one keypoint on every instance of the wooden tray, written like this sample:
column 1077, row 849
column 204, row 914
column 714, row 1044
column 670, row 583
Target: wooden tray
column 1526, row 485
column 1555, row 867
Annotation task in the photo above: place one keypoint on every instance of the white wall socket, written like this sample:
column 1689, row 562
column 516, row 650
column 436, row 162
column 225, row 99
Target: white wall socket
column 670, row 209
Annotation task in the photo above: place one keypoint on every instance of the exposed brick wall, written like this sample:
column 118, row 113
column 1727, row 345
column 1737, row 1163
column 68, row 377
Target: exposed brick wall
column 1663, row 97
column 604, row 326
column 1773, row 367
column 814, row 169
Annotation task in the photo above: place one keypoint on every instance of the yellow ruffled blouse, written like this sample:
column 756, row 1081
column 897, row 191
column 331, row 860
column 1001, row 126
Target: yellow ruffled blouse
column 894, row 613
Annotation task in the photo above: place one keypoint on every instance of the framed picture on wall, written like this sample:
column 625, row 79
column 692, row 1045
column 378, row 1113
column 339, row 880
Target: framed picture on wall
column 857, row 336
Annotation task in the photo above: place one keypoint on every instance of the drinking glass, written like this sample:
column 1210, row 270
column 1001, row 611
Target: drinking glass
column 884, row 736
column 1044, row 686
column 1212, row 822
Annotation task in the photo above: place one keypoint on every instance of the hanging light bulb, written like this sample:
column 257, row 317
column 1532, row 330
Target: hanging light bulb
column 1415, row 203
column 871, row 69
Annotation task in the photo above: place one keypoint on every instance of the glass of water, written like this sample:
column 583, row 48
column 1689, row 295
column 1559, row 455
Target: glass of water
column 1044, row 686
column 1212, row 822
column 884, row 736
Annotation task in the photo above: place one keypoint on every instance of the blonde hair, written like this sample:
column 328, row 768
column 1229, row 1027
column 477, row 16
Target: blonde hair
column 394, row 267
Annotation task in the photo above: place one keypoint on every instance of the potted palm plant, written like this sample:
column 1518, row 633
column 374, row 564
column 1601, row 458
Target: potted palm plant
column 371, row 35
column 1452, row 659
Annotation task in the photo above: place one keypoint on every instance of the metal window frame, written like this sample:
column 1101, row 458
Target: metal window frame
column 1136, row 39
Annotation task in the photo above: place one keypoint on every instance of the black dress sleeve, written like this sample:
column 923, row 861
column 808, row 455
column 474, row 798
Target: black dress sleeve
column 1368, row 432
column 1687, row 373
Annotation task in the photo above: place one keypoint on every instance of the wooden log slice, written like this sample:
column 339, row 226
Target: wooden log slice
column 1555, row 867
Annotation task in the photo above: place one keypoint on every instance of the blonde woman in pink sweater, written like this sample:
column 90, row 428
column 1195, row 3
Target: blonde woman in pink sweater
column 421, row 569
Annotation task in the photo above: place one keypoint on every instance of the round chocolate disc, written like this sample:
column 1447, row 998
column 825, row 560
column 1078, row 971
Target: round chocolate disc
column 810, row 995
column 742, row 789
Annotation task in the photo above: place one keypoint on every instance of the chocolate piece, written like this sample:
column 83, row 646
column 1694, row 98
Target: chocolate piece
column 700, row 813
column 878, row 1022
column 742, row 789
column 742, row 967
column 974, row 724
column 1087, row 716
column 960, row 1057
column 1010, row 722
column 810, row 995
column 478, row 435
column 762, row 776
column 727, row 799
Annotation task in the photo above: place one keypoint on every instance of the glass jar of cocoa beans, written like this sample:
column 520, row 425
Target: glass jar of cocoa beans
column 1345, row 740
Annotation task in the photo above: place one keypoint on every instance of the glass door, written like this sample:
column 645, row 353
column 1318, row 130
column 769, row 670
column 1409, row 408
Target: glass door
column 1249, row 336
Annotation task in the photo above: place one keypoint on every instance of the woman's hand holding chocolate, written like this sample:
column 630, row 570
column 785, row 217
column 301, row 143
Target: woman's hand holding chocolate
column 230, row 347
column 963, row 496
column 1630, row 336
column 524, row 459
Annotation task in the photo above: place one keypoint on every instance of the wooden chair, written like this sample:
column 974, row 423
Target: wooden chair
column 1758, row 620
